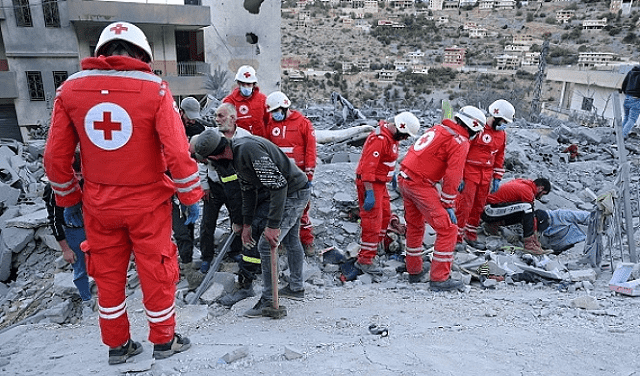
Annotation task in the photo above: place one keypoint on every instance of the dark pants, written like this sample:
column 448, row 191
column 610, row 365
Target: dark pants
column 183, row 234
column 210, row 213
column 517, row 213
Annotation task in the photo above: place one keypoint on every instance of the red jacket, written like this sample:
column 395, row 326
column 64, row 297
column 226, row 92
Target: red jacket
column 130, row 133
column 297, row 139
column 516, row 190
column 439, row 155
column 486, row 155
column 252, row 111
column 379, row 155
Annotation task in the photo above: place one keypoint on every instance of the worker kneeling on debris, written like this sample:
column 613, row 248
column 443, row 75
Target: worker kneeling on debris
column 261, row 164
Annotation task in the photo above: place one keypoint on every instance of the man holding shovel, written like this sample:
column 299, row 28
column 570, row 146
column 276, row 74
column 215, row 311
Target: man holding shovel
column 261, row 164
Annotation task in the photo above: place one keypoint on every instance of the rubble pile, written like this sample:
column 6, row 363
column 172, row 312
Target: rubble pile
column 36, row 283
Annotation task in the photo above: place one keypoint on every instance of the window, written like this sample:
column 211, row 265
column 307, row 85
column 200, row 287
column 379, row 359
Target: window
column 587, row 104
column 36, row 88
column 59, row 77
column 23, row 13
column 51, row 14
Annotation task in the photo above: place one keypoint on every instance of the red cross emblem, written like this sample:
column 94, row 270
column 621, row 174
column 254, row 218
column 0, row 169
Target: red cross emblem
column 107, row 126
column 403, row 125
column 285, row 102
column 496, row 111
column 247, row 74
column 118, row 29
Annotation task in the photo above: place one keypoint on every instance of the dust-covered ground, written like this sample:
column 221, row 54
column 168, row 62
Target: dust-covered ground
column 512, row 330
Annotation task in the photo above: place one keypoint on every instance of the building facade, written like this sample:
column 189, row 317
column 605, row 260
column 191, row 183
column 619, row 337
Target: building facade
column 44, row 41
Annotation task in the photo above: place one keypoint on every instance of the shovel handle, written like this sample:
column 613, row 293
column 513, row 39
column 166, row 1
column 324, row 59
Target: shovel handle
column 274, row 276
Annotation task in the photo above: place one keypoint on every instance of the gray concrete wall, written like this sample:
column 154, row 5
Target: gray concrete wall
column 226, row 43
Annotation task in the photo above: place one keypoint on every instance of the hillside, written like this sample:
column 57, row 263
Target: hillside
column 322, row 39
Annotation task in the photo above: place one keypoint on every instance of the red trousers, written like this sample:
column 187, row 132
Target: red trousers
column 111, row 239
column 469, row 206
column 306, row 230
column 422, row 204
column 373, row 222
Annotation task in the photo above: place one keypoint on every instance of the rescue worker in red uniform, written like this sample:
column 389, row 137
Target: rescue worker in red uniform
column 436, row 158
column 293, row 133
column 483, row 170
column 375, row 169
column 130, row 133
column 249, row 102
column 513, row 203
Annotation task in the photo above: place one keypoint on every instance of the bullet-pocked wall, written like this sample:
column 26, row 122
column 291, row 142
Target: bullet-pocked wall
column 245, row 32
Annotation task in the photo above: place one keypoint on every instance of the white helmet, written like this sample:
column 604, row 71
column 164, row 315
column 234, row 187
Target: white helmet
column 246, row 73
column 127, row 32
column 503, row 110
column 408, row 123
column 276, row 100
column 472, row 117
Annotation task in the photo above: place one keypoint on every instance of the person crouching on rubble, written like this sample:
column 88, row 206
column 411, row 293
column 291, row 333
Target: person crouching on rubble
column 375, row 169
column 261, row 164
column 513, row 203
column 483, row 170
column 560, row 229
column 130, row 133
column 436, row 157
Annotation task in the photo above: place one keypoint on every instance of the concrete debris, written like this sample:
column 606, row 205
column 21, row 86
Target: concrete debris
column 30, row 260
column 588, row 303
column 291, row 354
column 234, row 355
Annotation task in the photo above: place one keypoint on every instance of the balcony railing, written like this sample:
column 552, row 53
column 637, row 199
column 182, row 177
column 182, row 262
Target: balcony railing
column 192, row 68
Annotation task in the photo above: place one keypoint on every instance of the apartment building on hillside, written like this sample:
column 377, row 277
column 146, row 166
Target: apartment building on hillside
column 44, row 41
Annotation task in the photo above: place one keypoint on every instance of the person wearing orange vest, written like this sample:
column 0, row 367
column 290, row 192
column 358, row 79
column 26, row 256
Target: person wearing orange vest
column 483, row 170
column 375, row 169
column 249, row 102
column 428, row 181
column 130, row 133
column 293, row 133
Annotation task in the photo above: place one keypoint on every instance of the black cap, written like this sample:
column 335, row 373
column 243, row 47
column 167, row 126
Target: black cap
column 543, row 220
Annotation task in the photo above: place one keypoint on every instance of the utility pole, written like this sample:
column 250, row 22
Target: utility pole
column 534, row 113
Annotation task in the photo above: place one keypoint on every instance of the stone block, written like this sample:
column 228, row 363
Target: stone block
column 44, row 234
column 5, row 261
column 63, row 285
column 8, row 195
column 234, row 355
column 340, row 157
column 36, row 148
column 17, row 238
column 31, row 220
column 59, row 313
column 291, row 353
column 585, row 302
column 583, row 275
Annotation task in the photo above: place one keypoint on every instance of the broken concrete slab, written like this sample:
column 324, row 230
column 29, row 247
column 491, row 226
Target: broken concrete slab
column 8, row 195
column 291, row 353
column 17, row 238
column 585, row 302
column 234, row 355
column 5, row 261
column 44, row 234
column 59, row 313
column 583, row 275
column 63, row 285
column 31, row 220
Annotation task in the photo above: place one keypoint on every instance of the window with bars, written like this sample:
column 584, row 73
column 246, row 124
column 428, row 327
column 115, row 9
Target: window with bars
column 36, row 87
column 587, row 104
column 51, row 14
column 23, row 13
column 59, row 77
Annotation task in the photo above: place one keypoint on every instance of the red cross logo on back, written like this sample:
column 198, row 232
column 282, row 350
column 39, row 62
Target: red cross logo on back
column 118, row 29
column 107, row 126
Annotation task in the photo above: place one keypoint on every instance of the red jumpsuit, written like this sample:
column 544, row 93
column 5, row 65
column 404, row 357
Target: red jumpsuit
column 297, row 139
column 129, row 131
column 485, row 162
column 252, row 111
column 376, row 166
column 436, row 157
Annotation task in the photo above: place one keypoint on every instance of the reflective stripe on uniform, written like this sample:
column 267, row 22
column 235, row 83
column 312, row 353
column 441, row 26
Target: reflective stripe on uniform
column 229, row 178
column 110, row 313
column 160, row 316
column 252, row 260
